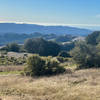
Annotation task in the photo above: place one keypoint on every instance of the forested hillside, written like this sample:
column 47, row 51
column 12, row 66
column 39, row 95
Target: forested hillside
column 20, row 38
column 31, row 28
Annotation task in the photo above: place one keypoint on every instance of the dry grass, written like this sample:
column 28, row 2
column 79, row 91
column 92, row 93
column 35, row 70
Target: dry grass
column 9, row 68
column 79, row 85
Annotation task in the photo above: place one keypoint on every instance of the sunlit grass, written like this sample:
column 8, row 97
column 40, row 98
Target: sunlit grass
column 10, row 72
column 79, row 85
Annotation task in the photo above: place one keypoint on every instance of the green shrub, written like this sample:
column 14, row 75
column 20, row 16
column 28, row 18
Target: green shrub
column 52, row 67
column 37, row 66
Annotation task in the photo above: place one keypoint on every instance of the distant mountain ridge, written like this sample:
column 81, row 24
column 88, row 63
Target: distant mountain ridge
column 31, row 28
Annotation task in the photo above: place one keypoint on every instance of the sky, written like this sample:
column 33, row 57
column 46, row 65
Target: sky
column 79, row 13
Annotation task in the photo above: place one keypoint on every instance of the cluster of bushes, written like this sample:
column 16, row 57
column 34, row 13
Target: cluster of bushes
column 5, row 60
column 11, row 47
column 87, row 54
column 39, row 66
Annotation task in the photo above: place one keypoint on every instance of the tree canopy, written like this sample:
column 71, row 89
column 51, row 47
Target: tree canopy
column 93, row 38
column 41, row 47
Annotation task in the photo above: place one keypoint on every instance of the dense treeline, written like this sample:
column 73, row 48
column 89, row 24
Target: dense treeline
column 38, row 46
column 87, row 54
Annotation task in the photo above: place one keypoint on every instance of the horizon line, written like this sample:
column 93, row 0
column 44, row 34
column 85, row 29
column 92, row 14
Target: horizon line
column 53, row 24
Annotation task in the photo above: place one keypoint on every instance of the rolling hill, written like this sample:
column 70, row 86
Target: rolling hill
column 31, row 28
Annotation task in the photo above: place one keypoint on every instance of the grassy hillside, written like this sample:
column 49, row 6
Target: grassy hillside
column 78, row 85
column 27, row 76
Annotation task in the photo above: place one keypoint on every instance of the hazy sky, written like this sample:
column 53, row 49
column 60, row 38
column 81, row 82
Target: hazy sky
column 84, row 13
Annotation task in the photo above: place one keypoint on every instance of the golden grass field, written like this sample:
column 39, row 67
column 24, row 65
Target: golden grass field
column 78, row 85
